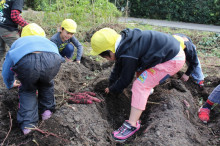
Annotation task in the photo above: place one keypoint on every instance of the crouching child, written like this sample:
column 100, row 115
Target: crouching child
column 194, row 67
column 35, row 61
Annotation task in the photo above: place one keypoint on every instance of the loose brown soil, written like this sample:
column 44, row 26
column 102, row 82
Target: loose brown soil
column 166, row 120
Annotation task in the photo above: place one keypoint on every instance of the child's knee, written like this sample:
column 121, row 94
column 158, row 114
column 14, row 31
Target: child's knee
column 68, row 51
column 69, row 47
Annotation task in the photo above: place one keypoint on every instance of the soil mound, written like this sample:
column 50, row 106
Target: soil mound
column 116, row 27
column 166, row 121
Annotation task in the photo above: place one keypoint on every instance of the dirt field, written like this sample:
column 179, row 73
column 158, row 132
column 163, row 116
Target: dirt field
column 166, row 120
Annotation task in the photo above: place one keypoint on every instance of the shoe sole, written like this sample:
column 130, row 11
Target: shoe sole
column 151, row 91
column 123, row 140
column 126, row 137
column 118, row 140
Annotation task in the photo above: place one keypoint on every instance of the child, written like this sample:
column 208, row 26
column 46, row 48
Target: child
column 154, row 56
column 10, row 18
column 62, row 40
column 35, row 61
column 192, row 60
column 204, row 111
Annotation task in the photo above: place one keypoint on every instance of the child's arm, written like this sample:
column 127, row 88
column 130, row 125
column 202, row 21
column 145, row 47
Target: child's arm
column 15, row 13
column 16, row 84
column 115, row 74
column 16, row 17
column 7, row 73
column 54, row 39
column 191, row 57
column 128, row 68
column 184, row 77
column 79, row 47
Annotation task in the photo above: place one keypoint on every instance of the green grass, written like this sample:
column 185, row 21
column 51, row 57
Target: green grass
column 207, row 43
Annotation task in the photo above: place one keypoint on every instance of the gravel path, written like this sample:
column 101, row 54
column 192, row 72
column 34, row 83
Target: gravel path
column 184, row 25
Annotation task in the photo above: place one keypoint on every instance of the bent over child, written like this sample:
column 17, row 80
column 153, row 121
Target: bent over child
column 65, row 40
column 35, row 61
column 154, row 56
column 194, row 67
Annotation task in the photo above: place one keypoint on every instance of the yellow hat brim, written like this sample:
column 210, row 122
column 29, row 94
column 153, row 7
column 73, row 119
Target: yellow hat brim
column 93, row 53
column 71, row 30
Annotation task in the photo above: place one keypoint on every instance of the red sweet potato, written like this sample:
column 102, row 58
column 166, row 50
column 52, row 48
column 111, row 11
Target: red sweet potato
column 79, row 101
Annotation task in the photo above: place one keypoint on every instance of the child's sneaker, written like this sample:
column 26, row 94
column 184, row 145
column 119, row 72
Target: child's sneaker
column 26, row 131
column 200, row 83
column 203, row 114
column 125, row 131
column 46, row 115
column 151, row 91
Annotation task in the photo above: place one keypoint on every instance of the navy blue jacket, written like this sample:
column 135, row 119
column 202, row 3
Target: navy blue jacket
column 191, row 55
column 138, row 51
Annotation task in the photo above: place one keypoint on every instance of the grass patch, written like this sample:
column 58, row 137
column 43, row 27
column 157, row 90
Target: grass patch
column 207, row 43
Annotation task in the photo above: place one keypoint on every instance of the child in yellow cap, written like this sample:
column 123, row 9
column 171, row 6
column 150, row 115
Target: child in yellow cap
column 65, row 40
column 35, row 61
column 152, row 55
column 194, row 66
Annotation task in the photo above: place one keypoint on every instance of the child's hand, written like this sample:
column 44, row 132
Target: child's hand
column 67, row 59
column 15, row 84
column 184, row 77
column 107, row 90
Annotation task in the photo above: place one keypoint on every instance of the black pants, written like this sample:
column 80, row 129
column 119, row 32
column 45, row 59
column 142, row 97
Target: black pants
column 36, row 71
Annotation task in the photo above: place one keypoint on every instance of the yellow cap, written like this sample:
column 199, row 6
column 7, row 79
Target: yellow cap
column 32, row 29
column 104, row 40
column 181, row 40
column 69, row 25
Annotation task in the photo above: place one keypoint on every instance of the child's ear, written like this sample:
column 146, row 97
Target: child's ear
column 59, row 29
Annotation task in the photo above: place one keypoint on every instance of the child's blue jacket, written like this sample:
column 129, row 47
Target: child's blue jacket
column 19, row 49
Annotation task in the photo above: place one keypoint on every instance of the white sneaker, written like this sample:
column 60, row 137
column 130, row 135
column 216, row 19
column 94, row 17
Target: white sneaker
column 151, row 91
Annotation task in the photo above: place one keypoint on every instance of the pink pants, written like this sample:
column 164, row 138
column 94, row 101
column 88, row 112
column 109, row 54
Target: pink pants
column 151, row 77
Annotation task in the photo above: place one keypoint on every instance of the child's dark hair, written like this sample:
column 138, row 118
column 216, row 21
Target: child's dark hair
column 105, row 54
column 62, row 28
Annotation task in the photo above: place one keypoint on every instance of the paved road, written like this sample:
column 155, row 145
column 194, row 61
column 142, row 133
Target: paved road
column 193, row 26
